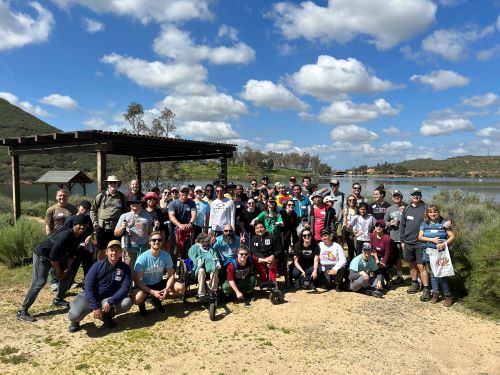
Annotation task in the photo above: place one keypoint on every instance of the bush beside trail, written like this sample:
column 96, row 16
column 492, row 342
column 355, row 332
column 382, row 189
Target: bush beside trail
column 17, row 242
column 476, row 251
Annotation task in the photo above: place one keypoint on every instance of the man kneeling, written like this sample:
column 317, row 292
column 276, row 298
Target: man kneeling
column 241, row 277
column 106, row 290
column 154, row 276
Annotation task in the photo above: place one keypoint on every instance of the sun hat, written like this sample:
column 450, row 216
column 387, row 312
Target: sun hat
column 113, row 178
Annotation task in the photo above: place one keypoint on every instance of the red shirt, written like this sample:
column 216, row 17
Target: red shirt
column 382, row 246
column 241, row 272
column 319, row 221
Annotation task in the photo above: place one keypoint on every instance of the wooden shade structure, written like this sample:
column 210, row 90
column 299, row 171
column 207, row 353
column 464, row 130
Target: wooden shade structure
column 141, row 148
column 65, row 180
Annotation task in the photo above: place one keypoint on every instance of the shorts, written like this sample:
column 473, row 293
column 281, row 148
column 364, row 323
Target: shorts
column 158, row 286
column 414, row 253
column 104, row 236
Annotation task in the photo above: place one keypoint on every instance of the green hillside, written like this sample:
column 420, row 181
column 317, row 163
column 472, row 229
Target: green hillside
column 15, row 122
column 483, row 166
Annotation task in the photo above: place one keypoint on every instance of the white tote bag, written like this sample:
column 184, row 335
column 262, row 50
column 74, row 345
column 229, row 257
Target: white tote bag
column 440, row 261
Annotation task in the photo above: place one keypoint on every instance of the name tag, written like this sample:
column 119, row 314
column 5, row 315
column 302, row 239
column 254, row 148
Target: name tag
column 60, row 214
column 119, row 204
column 267, row 242
column 410, row 217
column 434, row 231
column 256, row 244
column 118, row 278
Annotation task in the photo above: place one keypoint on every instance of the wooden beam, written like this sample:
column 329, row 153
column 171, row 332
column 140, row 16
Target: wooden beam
column 223, row 171
column 138, row 172
column 57, row 149
column 101, row 170
column 16, row 187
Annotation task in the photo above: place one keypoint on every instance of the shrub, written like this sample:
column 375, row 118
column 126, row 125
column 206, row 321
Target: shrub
column 17, row 242
column 476, row 250
column 6, row 220
column 36, row 209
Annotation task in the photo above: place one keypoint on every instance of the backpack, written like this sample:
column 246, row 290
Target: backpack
column 100, row 198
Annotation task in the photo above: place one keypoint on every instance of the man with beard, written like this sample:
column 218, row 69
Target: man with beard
column 182, row 214
column 253, row 191
column 240, row 199
column 135, row 190
column 268, row 246
column 227, row 244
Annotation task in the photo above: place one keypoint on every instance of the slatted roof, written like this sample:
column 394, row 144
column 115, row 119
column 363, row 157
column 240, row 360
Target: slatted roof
column 63, row 177
column 142, row 148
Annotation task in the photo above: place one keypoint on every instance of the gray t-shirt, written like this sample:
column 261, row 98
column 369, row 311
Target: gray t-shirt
column 393, row 213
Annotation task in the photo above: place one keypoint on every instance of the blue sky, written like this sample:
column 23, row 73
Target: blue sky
column 352, row 81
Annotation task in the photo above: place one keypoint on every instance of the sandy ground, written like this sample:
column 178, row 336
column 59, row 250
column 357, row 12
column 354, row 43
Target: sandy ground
column 310, row 333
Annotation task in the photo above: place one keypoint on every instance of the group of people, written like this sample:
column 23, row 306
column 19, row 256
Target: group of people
column 130, row 244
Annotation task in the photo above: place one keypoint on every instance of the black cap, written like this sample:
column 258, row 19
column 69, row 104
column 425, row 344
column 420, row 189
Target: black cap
column 265, row 178
column 135, row 198
column 80, row 219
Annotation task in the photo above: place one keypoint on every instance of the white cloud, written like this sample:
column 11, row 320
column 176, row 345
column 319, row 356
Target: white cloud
column 34, row 110
column 215, row 107
column 11, row 98
column 352, row 133
column 452, row 44
column 242, row 143
column 395, row 147
column 284, row 146
column 274, row 96
column 92, row 26
column 330, row 77
column 488, row 54
column 489, row 132
column 155, row 74
column 229, row 32
column 393, row 131
column 206, row 130
column 485, row 100
column 95, row 123
column 18, row 29
column 344, row 112
column 451, row 3
column 177, row 44
column 498, row 22
column 146, row 10
column 60, row 101
column 434, row 127
column 441, row 79
column 386, row 22
column 359, row 149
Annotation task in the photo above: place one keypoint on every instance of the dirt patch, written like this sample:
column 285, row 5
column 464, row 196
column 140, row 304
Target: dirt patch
column 314, row 333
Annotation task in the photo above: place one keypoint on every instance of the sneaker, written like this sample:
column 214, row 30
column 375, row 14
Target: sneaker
column 413, row 288
column 377, row 294
column 338, row 289
column 24, row 315
column 264, row 286
column 296, row 285
column 157, row 305
column 60, row 303
column 74, row 286
column 54, row 287
column 108, row 321
column 202, row 298
column 142, row 310
column 74, row 327
column 448, row 301
column 398, row 281
column 435, row 297
column 426, row 296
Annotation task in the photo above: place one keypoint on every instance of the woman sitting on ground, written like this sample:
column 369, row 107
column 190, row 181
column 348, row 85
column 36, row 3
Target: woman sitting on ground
column 305, row 259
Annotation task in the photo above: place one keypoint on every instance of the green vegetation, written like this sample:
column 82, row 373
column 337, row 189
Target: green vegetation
column 474, row 166
column 17, row 242
column 476, row 251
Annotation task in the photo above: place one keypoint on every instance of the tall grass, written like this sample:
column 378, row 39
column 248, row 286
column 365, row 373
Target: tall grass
column 17, row 242
column 476, row 251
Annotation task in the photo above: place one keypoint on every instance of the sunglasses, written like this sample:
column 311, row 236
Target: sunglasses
column 351, row 200
column 254, row 183
column 219, row 191
column 243, row 254
column 228, row 230
column 305, row 235
column 356, row 188
column 290, row 205
column 166, row 192
column 155, row 239
column 378, row 226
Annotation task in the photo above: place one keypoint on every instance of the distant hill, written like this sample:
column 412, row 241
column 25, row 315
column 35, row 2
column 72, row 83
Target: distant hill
column 15, row 122
column 478, row 166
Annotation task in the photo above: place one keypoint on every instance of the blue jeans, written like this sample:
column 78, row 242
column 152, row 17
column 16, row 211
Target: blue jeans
column 437, row 282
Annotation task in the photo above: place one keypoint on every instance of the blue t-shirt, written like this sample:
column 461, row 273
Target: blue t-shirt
column 153, row 268
column 202, row 208
column 358, row 264
column 432, row 230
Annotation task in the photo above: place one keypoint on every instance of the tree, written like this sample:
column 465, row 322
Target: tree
column 133, row 116
column 164, row 124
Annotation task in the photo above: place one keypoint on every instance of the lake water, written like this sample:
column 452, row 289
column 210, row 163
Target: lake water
column 486, row 188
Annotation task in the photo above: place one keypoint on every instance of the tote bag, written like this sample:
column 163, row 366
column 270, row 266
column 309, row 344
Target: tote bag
column 440, row 261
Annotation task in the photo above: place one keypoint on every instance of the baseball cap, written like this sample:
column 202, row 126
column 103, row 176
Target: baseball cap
column 324, row 231
column 265, row 178
column 329, row 198
column 334, row 182
column 115, row 243
column 416, row 191
column 292, row 178
column 198, row 188
column 366, row 246
column 397, row 192
column 380, row 223
column 151, row 195
column 184, row 189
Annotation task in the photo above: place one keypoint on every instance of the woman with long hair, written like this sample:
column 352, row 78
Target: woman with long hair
column 349, row 214
column 270, row 217
column 305, row 258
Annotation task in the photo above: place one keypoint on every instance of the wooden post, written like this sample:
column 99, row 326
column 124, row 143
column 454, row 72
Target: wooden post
column 46, row 195
column 101, row 170
column 84, row 187
column 223, row 171
column 138, row 172
column 16, row 187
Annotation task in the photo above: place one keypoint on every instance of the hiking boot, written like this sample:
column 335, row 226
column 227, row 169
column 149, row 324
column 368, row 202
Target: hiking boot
column 60, row 303
column 426, row 295
column 448, row 301
column 108, row 321
column 398, row 281
column 202, row 298
column 74, row 286
column 74, row 327
column 24, row 315
column 338, row 288
column 413, row 288
column 377, row 294
column 142, row 310
column 157, row 305
column 54, row 287
column 264, row 286
column 435, row 297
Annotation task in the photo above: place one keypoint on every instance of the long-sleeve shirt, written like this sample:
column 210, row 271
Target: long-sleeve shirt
column 63, row 243
column 222, row 211
column 265, row 245
column 382, row 246
column 331, row 257
column 105, row 281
